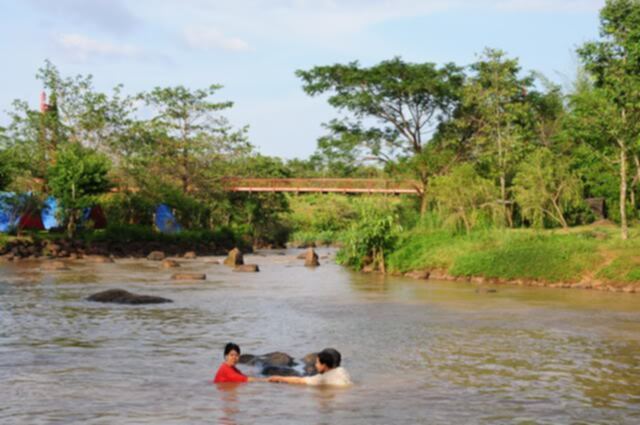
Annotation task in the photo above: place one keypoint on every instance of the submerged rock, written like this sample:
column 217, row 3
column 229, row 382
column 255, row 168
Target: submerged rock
column 311, row 258
column 189, row 276
column 486, row 291
column 168, row 264
column 234, row 258
column 156, row 256
column 99, row 259
column 120, row 296
column 54, row 265
column 247, row 268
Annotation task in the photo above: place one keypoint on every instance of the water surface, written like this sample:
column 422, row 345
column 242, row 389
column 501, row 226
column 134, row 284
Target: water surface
column 419, row 352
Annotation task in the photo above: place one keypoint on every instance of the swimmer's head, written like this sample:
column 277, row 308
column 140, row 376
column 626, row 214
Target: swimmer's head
column 324, row 362
column 337, row 358
column 231, row 353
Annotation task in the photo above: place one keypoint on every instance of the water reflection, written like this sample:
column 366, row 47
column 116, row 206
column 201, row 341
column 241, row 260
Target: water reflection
column 419, row 352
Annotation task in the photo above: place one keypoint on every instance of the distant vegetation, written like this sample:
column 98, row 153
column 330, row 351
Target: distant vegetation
column 493, row 148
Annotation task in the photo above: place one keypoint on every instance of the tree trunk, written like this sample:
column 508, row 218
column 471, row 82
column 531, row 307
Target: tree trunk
column 623, row 192
column 423, row 197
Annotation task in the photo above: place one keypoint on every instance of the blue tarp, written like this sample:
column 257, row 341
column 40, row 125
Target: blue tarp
column 8, row 216
column 165, row 221
column 49, row 213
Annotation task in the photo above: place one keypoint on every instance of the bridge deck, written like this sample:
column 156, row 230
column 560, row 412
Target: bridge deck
column 319, row 185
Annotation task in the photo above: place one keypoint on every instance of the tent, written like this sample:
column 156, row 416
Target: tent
column 30, row 221
column 96, row 215
column 165, row 221
column 10, row 207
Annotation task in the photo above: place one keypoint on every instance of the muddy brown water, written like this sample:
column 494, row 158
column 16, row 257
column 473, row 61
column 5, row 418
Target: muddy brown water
column 419, row 352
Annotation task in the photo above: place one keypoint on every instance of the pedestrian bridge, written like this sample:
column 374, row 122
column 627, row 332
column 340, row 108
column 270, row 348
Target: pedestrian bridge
column 321, row 185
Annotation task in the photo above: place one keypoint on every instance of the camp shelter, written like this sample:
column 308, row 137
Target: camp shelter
column 96, row 215
column 165, row 221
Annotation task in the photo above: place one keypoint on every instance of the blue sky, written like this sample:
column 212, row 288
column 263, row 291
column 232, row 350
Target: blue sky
column 253, row 47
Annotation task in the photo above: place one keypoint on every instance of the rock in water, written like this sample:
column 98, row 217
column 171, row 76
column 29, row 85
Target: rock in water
column 54, row 265
column 167, row 264
column 277, row 359
column 311, row 258
column 99, row 259
column 234, row 258
column 120, row 296
column 247, row 268
column 156, row 256
column 191, row 255
column 279, row 371
column 189, row 276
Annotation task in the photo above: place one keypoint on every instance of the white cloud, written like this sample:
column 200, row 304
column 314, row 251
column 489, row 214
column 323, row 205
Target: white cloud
column 549, row 5
column 82, row 48
column 210, row 38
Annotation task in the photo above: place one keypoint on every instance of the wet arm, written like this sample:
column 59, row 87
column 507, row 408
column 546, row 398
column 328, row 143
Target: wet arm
column 288, row 379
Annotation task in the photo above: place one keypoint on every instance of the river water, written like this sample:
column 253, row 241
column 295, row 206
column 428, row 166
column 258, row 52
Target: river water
column 419, row 352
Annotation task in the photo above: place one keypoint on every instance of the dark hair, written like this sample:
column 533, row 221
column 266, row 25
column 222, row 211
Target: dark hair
column 231, row 347
column 326, row 359
column 337, row 358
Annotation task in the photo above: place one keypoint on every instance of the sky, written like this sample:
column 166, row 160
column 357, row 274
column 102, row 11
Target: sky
column 253, row 48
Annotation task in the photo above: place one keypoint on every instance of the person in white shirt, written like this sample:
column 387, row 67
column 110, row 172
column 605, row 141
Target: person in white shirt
column 330, row 373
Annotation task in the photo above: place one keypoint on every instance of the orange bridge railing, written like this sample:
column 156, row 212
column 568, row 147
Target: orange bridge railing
column 320, row 185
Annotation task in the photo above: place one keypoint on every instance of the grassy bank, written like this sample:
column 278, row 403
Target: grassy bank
column 594, row 254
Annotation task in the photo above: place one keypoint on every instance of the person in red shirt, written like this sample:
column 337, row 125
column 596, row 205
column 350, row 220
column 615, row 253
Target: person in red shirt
column 228, row 372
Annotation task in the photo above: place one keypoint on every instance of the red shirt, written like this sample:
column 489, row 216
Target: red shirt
column 228, row 373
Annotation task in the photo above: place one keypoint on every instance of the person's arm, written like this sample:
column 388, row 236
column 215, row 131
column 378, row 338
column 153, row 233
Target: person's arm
column 252, row 379
column 289, row 379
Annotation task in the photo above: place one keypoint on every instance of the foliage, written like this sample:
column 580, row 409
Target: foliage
column 464, row 197
column 614, row 63
column 546, row 188
column 370, row 238
column 390, row 109
column 77, row 177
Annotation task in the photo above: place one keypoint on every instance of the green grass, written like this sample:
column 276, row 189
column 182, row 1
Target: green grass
column 550, row 256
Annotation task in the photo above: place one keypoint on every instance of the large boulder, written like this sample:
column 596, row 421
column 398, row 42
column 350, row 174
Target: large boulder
column 156, row 256
column 120, row 296
column 247, row 268
column 276, row 359
column 234, row 258
column 311, row 258
column 279, row 371
column 189, row 276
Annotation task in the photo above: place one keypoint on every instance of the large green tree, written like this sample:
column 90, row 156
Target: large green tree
column 494, row 118
column 390, row 110
column 190, row 136
column 614, row 63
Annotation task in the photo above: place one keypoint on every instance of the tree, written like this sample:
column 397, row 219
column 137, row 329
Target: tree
column 77, row 177
column 614, row 62
column 191, row 135
column 464, row 197
column 494, row 112
column 545, row 188
column 391, row 109
column 74, row 112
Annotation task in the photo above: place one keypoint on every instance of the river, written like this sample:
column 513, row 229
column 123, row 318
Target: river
column 419, row 352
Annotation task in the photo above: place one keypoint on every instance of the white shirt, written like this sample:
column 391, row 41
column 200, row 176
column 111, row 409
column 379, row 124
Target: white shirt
column 337, row 377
